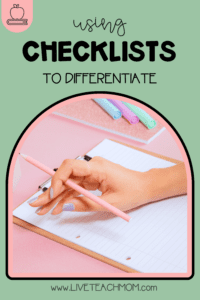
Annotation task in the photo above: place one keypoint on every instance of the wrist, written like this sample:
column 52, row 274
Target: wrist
column 143, row 186
column 155, row 185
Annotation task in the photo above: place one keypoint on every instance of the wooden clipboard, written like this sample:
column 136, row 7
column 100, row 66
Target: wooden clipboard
column 80, row 248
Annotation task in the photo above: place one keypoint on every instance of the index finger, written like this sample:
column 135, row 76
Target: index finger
column 69, row 167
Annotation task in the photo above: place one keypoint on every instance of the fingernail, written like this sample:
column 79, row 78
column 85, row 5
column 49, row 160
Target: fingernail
column 68, row 207
column 38, row 210
column 32, row 200
column 51, row 193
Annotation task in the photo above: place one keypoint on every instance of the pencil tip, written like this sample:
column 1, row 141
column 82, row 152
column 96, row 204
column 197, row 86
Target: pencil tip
column 23, row 155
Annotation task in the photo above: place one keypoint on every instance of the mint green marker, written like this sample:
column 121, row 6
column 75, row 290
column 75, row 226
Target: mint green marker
column 142, row 115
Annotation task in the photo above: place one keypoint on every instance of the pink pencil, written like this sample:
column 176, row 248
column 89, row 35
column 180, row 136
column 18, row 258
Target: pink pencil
column 79, row 189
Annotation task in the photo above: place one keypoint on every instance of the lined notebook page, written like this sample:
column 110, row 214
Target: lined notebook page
column 155, row 241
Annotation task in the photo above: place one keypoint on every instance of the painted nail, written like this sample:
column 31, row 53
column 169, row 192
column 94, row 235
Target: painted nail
column 32, row 200
column 68, row 207
column 51, row 193
column 38, row 210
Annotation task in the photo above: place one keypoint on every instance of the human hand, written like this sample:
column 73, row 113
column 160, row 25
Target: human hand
column 121, row 187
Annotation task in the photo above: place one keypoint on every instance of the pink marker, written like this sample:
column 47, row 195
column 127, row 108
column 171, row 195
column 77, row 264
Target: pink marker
column 127, row 113
column 79, row 189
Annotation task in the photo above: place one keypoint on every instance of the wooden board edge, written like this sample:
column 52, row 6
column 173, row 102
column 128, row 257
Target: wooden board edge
column 81, row 249
column 71, row 245
column 149, row 152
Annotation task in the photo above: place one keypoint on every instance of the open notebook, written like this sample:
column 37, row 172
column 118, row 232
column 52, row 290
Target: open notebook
column 155, row 241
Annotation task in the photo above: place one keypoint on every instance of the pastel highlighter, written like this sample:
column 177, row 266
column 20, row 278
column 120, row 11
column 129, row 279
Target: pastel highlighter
column 111, row 109
column 144, row 117
column 126, row 113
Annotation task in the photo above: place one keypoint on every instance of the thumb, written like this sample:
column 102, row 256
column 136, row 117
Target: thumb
column 79, row 204
column 84, row 204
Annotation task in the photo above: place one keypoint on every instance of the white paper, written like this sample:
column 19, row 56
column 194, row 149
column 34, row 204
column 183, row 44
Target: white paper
column 156, row 237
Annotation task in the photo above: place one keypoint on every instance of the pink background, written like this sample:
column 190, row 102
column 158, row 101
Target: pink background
column 6, row 5
column 52, row 140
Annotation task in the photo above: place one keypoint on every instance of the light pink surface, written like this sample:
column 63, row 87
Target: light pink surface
column 90, row 112
column 33, row 253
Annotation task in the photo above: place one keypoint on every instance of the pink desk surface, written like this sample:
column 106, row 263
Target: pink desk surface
column 53, row 140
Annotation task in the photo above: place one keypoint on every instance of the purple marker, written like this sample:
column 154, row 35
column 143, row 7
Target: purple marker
column 127, row 113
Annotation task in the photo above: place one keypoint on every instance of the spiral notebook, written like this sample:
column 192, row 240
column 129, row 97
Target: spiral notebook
column 155, row 241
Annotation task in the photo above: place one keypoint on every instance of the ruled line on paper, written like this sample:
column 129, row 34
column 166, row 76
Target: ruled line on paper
column 156, row 239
